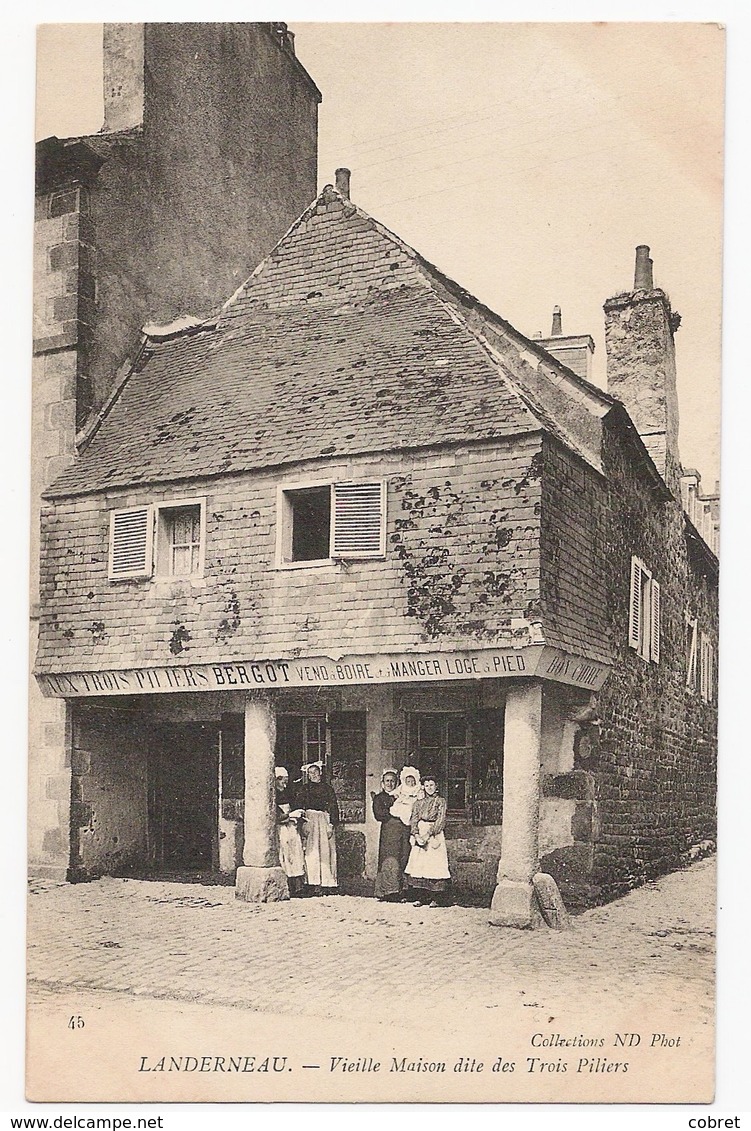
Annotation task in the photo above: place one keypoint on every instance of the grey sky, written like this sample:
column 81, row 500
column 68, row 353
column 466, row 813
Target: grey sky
column 524, row 160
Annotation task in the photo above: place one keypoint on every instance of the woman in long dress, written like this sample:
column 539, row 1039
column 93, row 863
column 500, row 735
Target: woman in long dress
column 427, row 872
column 290, row 846
column 393, row 843
column 320, row 818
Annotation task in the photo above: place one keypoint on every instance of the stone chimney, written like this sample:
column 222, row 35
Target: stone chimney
column 574, row 350
column 123, row 76
column 639, row 329
column 342, row 182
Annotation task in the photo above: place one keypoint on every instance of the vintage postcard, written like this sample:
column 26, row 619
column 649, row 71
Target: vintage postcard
column 375, row 558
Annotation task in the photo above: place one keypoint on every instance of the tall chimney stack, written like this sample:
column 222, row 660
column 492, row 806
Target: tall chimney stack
column 639, row 329
column 643, row 269
column 342, row 182
column 557, row 328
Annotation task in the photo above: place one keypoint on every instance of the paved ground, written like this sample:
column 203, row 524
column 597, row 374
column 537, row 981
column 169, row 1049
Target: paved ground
column 331, row 957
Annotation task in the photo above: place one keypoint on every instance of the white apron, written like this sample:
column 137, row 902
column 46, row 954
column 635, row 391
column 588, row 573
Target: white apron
column 320, row 849
column 290, row 848
column 430, row 862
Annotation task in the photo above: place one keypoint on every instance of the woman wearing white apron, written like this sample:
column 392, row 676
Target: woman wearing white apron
column 321, row 816
column 427, row 872
column 290, row 846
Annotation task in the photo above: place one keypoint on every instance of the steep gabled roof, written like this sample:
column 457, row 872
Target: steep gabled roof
column 343, row 341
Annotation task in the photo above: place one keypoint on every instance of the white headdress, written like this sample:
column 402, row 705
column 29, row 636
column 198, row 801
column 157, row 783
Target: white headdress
column 409, row 772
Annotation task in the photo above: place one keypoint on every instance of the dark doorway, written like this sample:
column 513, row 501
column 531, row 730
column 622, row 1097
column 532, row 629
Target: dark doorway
column 183, row 798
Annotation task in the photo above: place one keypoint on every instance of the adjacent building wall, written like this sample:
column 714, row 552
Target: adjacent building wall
column 224, row 162
column 61, row 269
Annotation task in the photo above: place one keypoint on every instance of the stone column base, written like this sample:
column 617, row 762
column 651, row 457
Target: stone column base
column 514, row 904
column 261, row 885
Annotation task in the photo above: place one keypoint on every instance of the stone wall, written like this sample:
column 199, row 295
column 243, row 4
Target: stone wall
column 108, row 809
column 58, row 370
column 644, row 780
column 225, row 161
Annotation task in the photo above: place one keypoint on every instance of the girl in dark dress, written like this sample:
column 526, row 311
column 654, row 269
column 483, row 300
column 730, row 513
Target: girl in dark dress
column 393, row 845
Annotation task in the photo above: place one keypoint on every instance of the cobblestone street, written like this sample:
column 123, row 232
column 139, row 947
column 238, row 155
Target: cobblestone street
column 198, row 943
column 153, row 970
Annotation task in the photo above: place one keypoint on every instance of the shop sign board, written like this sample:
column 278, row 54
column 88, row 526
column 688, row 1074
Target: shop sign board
column 326, row 671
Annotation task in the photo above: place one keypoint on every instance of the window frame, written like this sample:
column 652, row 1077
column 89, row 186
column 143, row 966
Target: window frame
column 157, row 548
column 163, row 546
column 644, row 612
column 474, row 752
column 285, row 523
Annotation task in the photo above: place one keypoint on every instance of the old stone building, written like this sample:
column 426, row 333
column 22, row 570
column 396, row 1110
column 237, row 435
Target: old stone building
column 206, row 156
column 356, row 515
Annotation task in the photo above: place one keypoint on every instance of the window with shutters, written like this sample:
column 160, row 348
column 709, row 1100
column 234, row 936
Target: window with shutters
column 692, row 654
column 644, row 612
column 321, row 523
column 166, row 539
column 706, row 669
column 131, row 543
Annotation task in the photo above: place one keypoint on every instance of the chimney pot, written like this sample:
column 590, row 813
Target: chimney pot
column 557, row 327
column 342, row 182
column 643, row 269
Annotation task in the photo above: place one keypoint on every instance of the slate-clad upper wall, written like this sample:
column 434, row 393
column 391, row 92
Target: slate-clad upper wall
column 461, row 569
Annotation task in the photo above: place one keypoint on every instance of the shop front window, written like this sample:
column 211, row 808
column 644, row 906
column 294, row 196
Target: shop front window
column 337, row 740
column 465, row 752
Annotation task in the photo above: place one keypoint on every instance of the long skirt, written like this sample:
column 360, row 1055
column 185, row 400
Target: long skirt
column 290, row 851
column 428, row 867
column 393, row 853
column 319, row 849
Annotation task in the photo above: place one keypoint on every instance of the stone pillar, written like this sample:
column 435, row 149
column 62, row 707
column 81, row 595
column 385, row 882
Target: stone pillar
column 513, row 903
column 260, row 879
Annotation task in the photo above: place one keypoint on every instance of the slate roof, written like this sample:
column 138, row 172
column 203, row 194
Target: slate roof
column 343, row 341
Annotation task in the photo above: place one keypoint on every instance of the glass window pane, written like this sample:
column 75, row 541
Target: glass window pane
column 457, row 730
column 181, row 561
column 456, row 794
column 429, row 732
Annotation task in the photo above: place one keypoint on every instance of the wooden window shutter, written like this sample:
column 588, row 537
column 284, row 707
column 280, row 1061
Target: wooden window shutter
column 358, row 520
column 692, row 657
column 654, row 621
column 705, row 672
column 635, row 612
column 131, row 536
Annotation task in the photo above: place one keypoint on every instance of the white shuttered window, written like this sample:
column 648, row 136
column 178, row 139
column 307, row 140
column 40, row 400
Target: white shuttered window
column 692, row 656
column 131, row 541
column 357, row 520
column 644, row 612
column 322, row 522
column 706, row 670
